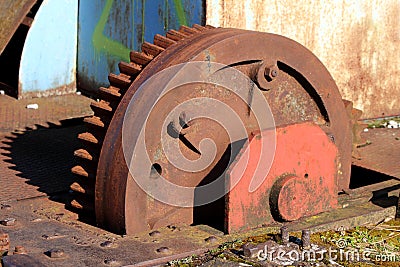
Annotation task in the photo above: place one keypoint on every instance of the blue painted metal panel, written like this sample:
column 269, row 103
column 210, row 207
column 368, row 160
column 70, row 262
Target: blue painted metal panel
column 109, row 29
column 48, row 61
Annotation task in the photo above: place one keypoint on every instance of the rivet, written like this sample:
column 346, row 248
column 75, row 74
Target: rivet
column 55, row 253
column 8, row 222
column 162, row 250
column 155, row 233
column 211, row 239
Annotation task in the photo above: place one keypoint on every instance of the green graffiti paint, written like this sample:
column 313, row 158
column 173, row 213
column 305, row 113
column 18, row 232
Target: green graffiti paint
column 143, row 21
column 180, row 12
column 102, row 43
column 166, row 16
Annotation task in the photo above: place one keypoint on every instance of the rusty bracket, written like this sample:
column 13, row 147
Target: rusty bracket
column 302, row 181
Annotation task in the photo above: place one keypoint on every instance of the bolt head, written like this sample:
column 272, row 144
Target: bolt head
column 111, row 262
column 211, row 239
column 107, row 244
column 271, row 72
column 162, row 250
column 155, row 233
column 5, row 207
column 55, row 253
column 8, row 222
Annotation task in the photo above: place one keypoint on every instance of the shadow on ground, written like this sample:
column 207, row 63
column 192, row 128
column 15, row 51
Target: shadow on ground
column 43, row 156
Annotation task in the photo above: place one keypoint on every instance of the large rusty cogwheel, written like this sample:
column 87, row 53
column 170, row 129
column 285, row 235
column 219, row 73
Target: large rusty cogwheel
column 302, row 97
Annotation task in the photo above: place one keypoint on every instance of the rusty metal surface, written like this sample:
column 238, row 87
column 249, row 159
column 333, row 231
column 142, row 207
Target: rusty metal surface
column 12, row 14
column 356, row 40
column 43, row 226
column 383, row 154
column 15, row 115
column 21, row 261
column 52, row 236
column 301, row 90
column 302, row 181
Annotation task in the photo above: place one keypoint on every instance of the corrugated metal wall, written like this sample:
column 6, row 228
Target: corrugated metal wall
column 358, row 41
column 109, row 29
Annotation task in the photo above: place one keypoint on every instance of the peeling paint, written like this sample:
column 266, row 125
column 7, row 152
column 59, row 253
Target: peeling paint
column 109, row 30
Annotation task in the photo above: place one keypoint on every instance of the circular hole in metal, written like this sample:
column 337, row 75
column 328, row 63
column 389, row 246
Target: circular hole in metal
column 306, row 175
column 155, row 171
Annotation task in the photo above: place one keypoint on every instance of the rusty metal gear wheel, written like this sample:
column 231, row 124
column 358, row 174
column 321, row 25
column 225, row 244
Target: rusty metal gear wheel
column 98, row 124
column 296, row 85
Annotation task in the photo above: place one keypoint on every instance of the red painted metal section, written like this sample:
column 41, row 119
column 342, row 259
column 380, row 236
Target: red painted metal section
column 301, row 182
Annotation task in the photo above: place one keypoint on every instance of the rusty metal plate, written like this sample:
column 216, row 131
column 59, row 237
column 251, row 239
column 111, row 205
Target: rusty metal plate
column 12, row 13
column 302, row 181
column 382, row 154
column 14, row 114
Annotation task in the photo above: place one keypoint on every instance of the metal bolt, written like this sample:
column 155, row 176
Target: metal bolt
column 271, row 72
column 172, row 131
column 250, row 250
column 111, row 262
column 305, row 239
column 55, row 253
column 106, row 244
column 211, row 239
column 285, row 235
column 5, row 207
column 155, row 233
column 19, row 250
column 162, row 250
column 8, row 222
column 183, row 120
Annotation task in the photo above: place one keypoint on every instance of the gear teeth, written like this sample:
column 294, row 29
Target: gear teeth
column 151, row 49
column 89, row 138
column 80, row 171
column 85, row 172
column 175, row 35
column 101, row 108
column 83, row 154
column 163, row 41
column 110, row 94
column 81, row 203
column 119, row 81
column 83, row 188
column 140, row 58
column 94, row 122
column 199, row 27
column 187, row 30
column 130, row 69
